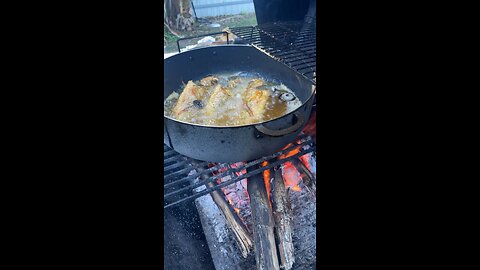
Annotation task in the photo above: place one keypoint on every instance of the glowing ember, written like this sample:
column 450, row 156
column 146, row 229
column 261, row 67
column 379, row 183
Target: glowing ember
column 304, row 159
column 266, row 178
column 296, row 188
column 291, row 153
column 237, row 195
column 239, row 164
column 291, row 176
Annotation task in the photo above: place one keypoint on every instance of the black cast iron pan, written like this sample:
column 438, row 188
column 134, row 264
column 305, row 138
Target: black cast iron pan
column 239, row 143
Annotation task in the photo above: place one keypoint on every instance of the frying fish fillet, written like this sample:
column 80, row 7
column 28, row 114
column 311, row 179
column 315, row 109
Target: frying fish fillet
column 233, row 81
column 209, row 81
column 219, row 96
column 255, row 83
column 184, row 107
column 254, row 101
column 219, row 101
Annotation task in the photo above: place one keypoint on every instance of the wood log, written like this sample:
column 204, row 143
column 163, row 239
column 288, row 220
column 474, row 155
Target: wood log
column 221, row 242
column 283, row 222
column 242, row 237
column 303, row 169
column 309, row 180
column 247, row 264
column 263, row 225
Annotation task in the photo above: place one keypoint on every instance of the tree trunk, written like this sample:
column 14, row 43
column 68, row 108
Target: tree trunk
column 178, row 14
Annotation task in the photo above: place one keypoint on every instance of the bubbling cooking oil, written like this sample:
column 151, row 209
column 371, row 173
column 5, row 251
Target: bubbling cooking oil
column 231, row 111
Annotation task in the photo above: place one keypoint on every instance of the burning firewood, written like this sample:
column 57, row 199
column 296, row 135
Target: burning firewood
column 263, row 230
column 309, row 180
column 242, row 237
column 275, row 212
column 282, row 217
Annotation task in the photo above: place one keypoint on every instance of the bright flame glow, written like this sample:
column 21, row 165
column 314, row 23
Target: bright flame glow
column 266, row 178
column 304, row 160
column 291, row 153
column 296, row 188
column 291, row 176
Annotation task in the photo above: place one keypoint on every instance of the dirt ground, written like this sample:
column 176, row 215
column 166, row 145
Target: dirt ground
column 204, row 26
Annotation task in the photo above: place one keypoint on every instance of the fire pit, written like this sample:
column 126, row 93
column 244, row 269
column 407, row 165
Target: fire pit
column 258, row 214
column 255, row 215
column 279, row 203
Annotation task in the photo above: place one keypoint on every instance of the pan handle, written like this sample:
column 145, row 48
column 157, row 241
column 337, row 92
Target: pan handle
column 300, row 120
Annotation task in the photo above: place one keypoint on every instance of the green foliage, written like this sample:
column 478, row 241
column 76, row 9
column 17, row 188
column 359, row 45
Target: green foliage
column 168, row 36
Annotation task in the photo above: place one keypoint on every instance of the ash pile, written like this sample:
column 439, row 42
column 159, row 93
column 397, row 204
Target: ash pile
column 264, row 222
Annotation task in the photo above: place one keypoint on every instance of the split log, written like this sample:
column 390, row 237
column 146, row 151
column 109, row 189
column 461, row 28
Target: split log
column 263, row 225
column 236, row 226
column 303, row 169
column 309, row 180
column 247, row 264
column 221, row 242
column 283, row 222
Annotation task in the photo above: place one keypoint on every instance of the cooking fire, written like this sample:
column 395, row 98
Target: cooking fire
column 285, row 219
column 240, row 143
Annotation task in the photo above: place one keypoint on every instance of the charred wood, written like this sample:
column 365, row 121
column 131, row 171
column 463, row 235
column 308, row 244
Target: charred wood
column 263, row 229
column 309, row 180
column 242, row 236
column 283, row 222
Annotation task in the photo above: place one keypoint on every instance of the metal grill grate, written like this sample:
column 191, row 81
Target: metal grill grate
column 292, row 43
column 180, row 172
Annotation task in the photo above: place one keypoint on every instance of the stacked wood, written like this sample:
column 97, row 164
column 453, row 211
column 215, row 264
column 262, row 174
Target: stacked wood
column 275, row 244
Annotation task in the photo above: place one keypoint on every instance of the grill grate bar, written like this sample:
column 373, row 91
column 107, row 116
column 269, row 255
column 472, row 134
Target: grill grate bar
column 287, row 42
column 239, row 178
column 170, row 153
column 176, row 165
column 193, row 176
column 172, row 159
column 184, row 186
column 230, row 172
column 180, row 172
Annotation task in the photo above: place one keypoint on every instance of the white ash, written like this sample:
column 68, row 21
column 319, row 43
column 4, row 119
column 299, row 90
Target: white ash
column 313, row 164
column 304, row 226
column 236, row 194
column 303, row 212
column 221, row 242
column 311, row 159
